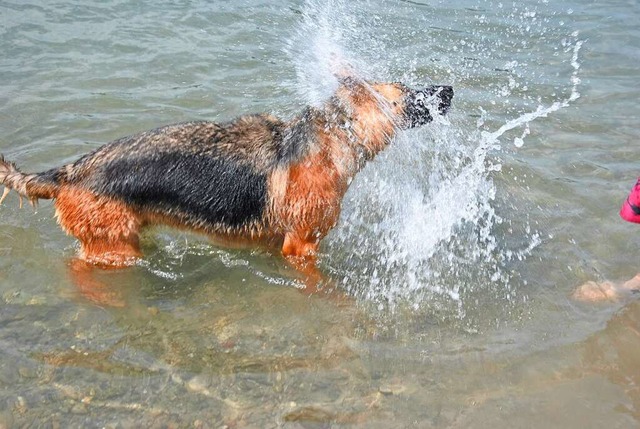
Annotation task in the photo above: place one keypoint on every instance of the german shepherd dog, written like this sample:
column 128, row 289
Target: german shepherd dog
column 256, row 178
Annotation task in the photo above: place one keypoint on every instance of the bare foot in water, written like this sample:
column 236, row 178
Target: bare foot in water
column 606, row 291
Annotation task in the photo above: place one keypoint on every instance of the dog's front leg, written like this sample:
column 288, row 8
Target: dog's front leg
column 301, row 253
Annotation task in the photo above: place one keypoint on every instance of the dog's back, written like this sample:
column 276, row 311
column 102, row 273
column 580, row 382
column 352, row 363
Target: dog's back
column 209, row 177
column 200, row 174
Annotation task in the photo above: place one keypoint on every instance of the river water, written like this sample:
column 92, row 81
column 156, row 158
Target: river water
column 459, row 246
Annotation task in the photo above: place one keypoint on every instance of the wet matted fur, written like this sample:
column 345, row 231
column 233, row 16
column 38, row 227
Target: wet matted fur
column 256, row 178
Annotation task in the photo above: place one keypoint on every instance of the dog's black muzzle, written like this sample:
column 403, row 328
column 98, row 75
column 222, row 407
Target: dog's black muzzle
column 420, row 102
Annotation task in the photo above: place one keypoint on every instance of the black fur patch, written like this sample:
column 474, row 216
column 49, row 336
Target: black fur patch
column 295, row 140
column 202, row 189
column 55, row 176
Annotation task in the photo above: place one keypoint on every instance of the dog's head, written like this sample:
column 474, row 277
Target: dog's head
column 405, row 107
column 375, row 111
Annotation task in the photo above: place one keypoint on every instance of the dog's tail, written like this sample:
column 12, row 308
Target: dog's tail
column 31, row 186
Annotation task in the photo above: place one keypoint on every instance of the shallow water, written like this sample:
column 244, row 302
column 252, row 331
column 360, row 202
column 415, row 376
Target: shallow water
column 459, row 246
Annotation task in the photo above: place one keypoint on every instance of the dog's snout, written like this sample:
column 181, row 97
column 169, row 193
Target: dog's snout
column 421, row 101
column 444, row 94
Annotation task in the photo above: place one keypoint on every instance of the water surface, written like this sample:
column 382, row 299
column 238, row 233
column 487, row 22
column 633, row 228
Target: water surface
column 459, row 246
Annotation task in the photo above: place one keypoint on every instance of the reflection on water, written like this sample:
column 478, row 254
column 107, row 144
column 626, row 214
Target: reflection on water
column 256, row 356
column 459, row 246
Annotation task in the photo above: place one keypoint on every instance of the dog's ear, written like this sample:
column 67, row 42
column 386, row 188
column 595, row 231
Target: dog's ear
column 343, row 71
column 351, row 82
column 349, row 79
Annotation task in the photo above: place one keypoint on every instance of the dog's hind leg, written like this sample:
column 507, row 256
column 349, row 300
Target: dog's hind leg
column 108, row 229
column 88, row 279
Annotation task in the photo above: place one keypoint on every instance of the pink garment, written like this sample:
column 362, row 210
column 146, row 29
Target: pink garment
column 630, row 210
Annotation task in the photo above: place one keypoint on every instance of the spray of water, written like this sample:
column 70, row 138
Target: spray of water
column 317, row 47
column 421, row 225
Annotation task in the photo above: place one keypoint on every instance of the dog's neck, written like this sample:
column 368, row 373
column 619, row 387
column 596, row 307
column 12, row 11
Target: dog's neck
column 363, row 132
column 339, row 133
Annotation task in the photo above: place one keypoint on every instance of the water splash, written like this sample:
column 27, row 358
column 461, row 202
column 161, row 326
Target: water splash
column 542, row 111
column 422, row 224
column 176, row 257
column 317, row 45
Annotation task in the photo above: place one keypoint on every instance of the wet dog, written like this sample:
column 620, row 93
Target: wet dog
column 256, row 178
